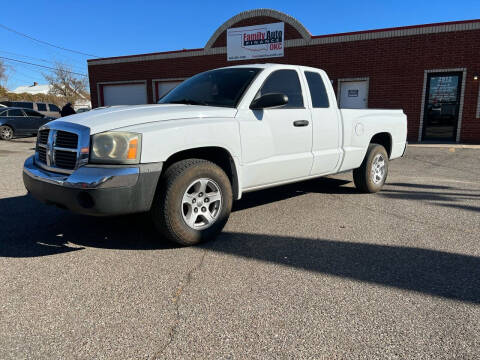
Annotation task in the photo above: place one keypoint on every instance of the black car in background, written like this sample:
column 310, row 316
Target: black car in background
column 20, row 122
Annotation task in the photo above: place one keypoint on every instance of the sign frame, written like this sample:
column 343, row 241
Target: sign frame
column 256, row 42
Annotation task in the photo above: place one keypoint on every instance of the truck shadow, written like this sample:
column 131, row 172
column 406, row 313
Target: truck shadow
column 324, row 185
column 443, row 196
column 432, row 272
column 30, row 229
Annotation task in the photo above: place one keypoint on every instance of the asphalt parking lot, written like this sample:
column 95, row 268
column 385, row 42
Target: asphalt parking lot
column 310, row 270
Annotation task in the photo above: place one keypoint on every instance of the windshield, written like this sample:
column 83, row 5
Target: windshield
column 222, row 87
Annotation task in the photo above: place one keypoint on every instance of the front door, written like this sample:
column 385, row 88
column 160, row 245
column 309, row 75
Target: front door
column 442, row 105
column 277, row 143
column 353, row 94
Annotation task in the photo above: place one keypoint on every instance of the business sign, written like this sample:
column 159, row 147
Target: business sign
column 353, row 93
column 443, row 88
column 255, row 42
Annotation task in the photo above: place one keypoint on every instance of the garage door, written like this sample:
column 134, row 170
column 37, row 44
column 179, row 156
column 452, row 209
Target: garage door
column 163, row 87
column 124, row 94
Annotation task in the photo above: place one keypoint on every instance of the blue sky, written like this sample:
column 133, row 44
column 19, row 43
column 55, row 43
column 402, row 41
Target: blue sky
column 111, row 28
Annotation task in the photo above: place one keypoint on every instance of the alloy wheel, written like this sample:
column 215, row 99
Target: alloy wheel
column 201, row 203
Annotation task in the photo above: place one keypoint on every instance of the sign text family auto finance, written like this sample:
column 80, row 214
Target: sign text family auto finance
column 255, row 42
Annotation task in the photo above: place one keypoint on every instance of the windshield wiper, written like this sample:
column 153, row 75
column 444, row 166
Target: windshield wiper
column 187, row 102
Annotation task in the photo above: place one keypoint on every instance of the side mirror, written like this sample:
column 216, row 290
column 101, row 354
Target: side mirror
column 269, row 101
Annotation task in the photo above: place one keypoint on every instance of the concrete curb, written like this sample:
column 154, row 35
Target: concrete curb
column 447, row 146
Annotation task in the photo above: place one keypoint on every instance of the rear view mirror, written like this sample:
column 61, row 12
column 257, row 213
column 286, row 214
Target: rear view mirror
column 269, row 101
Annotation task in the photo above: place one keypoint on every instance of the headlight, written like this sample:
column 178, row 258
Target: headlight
column 116, row 147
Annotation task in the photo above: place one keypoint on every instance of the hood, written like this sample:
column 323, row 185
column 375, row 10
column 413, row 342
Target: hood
column 116, row 117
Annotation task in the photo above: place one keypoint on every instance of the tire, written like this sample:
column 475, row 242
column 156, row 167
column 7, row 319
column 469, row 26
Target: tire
column 184, row 187
column 6, row 132
column 371, row 175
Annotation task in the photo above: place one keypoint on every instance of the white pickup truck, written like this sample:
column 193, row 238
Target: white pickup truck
column 216, row 136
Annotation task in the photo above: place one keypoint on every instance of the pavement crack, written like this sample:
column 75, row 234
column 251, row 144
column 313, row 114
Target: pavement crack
column 177, row 296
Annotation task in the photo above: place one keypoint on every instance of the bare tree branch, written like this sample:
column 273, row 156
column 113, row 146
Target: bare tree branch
column 65, row 85
column 3, row 73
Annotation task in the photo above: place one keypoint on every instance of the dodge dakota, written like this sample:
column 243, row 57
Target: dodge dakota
column 217, row 135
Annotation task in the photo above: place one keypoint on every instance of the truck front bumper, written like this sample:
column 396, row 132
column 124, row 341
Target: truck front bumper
column 94, row 189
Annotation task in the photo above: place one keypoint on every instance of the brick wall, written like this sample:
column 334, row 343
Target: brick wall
column 395, row 67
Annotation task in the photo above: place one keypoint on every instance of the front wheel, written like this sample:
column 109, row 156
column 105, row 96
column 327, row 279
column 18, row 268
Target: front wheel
column 193, row 202
column 371, row 175
column 6, row 132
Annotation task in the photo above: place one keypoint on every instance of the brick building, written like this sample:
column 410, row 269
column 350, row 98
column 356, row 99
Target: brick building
column 430, row 71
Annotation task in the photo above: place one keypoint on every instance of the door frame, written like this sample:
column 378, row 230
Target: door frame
column 460, row 107
column 344, row 80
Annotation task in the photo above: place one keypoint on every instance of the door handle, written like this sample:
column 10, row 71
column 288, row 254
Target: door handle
column 300, row 123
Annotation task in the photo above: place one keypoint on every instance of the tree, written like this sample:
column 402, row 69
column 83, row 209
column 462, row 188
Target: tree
column 65, row 84
column 3, row 73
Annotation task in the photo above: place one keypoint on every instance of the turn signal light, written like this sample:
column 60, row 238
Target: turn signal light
column 132, row 149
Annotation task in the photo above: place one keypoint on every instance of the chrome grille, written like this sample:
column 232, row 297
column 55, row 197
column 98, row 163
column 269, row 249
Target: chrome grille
column 66, row 140
column 42, row 154
column 65, row 159
column 42, row 137
column 62, row 146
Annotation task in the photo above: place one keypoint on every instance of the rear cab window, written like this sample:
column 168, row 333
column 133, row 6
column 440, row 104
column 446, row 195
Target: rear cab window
column 284, row 82
column 318, row 93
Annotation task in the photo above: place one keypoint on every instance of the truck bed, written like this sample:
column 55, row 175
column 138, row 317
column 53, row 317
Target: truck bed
column 360, row 125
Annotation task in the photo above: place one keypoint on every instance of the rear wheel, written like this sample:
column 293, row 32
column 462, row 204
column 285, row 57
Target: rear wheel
column 6, row 132
column 193, row 202
column 371, row 175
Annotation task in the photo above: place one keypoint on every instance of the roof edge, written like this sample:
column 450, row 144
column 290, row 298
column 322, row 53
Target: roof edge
column 407, row 27
column 210, row 51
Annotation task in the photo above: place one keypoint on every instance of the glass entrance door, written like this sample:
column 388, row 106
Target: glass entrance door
column 442, row 104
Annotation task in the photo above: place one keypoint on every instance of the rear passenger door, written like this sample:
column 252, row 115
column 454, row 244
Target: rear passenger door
column 326, row 125
column 277, row 142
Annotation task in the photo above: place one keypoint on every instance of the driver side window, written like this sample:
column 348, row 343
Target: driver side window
column 284, row 82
